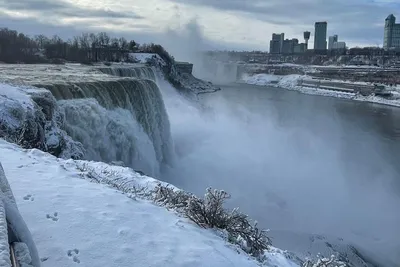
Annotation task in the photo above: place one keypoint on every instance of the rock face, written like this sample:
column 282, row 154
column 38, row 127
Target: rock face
column 22, row 122
column 34, row 121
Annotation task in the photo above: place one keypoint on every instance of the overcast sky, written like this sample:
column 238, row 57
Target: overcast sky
column 231, row 24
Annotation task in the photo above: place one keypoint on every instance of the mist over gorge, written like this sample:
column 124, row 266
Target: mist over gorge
column 318, row 172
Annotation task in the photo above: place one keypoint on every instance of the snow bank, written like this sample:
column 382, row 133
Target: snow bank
column 95, row 225
column 287, row 81
column 290, row 82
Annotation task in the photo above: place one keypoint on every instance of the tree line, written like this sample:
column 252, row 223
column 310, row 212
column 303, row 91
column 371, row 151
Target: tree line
column 88, row 47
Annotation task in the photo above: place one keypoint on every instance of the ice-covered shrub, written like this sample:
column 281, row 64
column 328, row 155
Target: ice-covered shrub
column 210, row 213
column 324, row 262
column 168, row 197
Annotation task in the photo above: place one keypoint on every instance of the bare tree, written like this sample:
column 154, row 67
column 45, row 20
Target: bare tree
column 41, row 40
column 84, row 41
column 123, row 43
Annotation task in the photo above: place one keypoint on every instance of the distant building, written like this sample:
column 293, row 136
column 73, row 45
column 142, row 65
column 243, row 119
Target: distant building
column 332, row 39
column 300, row 48
column 289, row 45
column 391, row 37
column 320, row 35
column 338, row 45
column 276, row 44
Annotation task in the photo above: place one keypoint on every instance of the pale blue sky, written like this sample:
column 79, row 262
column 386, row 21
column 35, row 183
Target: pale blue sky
column 232, row 24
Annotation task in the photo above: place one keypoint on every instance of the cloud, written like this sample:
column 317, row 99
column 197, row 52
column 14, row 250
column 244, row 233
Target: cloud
column 64, row 9
column 226, row 24
column 356, row 21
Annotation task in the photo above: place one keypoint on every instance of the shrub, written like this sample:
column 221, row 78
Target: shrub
column 325, row 262
column 210, row 213
column 168, row 197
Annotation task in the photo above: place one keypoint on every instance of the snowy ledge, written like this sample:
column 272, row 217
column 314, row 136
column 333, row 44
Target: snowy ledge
column 75, row 221
column 290, row 82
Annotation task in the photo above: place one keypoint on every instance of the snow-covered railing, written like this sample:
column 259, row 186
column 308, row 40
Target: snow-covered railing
column 4, row 247
column 13, row 228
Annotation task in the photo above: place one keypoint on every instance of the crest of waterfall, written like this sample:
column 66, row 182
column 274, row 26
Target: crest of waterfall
column 118, row 119
column 133, row 72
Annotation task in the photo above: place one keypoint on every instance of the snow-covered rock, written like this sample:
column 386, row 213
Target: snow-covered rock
column 30, row 118
column 95, row 225
column 145, row 57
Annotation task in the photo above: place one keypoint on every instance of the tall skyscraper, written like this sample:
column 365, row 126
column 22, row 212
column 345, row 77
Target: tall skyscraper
column 320, row 35
column 391, row 36
column 276, row 44
column 332, row 39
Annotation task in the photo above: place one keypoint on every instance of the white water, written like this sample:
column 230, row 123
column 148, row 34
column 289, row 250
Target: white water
column 290, row 178
column 110, row 135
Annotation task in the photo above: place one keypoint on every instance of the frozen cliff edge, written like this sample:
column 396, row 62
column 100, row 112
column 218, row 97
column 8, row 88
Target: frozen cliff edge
column 88, row 221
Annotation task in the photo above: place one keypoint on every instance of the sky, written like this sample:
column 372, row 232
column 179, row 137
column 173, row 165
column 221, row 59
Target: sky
column 207, row 24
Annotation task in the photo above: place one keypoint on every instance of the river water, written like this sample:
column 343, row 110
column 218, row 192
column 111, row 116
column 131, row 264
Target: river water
column 296, row 163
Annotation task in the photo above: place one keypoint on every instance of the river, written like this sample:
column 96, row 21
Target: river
column 296, row 163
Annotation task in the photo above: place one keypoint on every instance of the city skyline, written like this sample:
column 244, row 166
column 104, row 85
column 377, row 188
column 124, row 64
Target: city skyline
column 240, row 25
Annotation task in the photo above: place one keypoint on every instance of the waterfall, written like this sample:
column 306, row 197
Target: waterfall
column 121, row 119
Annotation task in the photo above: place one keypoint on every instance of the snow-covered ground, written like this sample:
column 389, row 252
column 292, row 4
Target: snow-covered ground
column 75, row 221
column 290, row 82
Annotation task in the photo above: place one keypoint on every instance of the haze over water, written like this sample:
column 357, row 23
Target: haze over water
column 295, row 162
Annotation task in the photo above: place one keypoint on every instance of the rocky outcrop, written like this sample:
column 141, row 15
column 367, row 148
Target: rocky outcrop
column 181, row 80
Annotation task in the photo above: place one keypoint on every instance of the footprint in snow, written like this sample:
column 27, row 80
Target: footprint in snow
column 29, row 197
column 53, row 217
column 73, row 254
